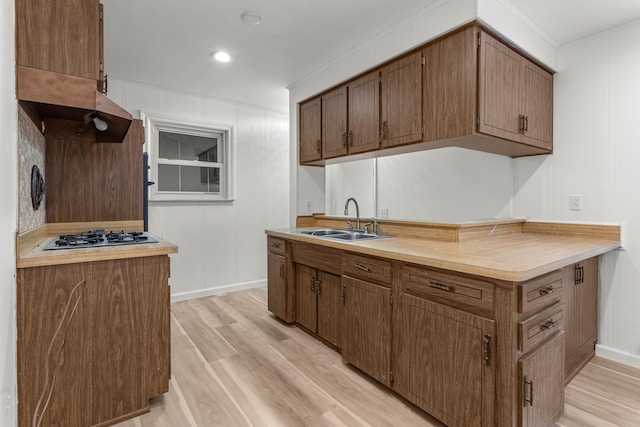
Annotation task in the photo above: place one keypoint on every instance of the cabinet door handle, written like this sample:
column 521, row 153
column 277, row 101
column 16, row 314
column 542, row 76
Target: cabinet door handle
column 282, row 271
column 578, row 277
column 549, row 324
column 363, row 268
column 383, row 130
column 344, row 139
column 521, row 123
column 318, row 282
column 442, row 287
column 546, row 291
column 313, row 285
column 344, row 287
column 526, row 123
column 318, row 145
column 350, row 138
column 487, row 350
column 528, row 384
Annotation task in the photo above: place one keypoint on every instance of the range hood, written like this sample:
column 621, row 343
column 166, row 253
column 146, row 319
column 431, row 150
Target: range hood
column 57, row 95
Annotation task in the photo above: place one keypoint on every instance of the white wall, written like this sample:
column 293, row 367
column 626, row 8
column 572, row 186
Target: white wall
column 222, row 246
column 8, row 221
column 596, row 152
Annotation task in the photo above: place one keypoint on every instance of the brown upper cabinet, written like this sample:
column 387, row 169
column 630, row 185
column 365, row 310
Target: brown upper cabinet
column 59, row 64
column 401, row 101
column 59, row 35
column 515, row 96
column 310, row 122
column 465, row 89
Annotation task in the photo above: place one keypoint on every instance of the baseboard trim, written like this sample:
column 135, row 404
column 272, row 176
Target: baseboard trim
column 618, row 355
column 182, row 296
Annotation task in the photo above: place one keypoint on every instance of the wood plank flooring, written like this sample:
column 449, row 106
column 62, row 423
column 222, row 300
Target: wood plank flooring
column 234, row 364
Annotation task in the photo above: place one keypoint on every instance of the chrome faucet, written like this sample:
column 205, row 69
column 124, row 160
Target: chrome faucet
column 346, row 211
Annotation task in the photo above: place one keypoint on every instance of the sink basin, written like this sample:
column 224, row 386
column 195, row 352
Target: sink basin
column 347, row 235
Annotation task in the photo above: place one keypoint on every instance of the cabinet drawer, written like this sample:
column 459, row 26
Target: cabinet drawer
column 276, row 246
column 467, row 293
column 540, row 292
column 540, row 326
column 366, row 268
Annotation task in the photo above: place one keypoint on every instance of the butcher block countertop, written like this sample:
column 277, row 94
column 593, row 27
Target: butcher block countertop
column 509, row 250
column 30, row 246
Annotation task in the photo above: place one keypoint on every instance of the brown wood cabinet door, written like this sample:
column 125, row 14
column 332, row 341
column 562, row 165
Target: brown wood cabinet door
column 401, row 100
column 310, row 131
column 306, row 299
column 499, row 95
column 334, row 123
column 450, row 86
column 581, row 300
column 541, row 384
column 537, row 105
column 364, row 113
column 366, row 327
column 329, row 294
column 440, row 361
column 59, row 35
column 277, row 285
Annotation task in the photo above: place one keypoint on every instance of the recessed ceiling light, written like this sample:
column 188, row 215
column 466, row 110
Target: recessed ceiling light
column 251, row 18
column 221, row 56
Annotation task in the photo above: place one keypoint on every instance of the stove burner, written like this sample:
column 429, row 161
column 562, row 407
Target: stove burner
column 99, row 238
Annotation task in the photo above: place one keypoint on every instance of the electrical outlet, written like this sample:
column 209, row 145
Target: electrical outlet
column 383, row 213
column 307, row 205
column 575, row 202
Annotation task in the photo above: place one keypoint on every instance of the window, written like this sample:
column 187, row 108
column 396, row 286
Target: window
column 189, row 161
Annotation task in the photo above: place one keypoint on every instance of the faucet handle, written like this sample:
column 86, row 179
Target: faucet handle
column 366, row 227
column 350, row 225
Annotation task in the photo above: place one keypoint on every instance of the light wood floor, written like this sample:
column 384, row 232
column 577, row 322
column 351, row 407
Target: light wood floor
column 234, row 364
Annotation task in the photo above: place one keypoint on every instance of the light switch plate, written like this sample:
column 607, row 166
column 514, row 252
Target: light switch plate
column 575, row 202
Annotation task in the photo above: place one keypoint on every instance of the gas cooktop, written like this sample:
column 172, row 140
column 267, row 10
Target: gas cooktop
column 99, row 238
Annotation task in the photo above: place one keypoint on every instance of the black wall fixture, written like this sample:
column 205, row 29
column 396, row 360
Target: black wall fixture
column 37, row 187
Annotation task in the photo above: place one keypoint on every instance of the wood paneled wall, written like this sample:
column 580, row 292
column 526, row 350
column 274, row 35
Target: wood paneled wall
column 89, row 181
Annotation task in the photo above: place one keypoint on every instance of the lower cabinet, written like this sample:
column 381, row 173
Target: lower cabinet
column 541, row 384
column 279, row 280
column 443, row 361
column 93, row 340
column 366, row 327
column 581, row 302
column 317, row 299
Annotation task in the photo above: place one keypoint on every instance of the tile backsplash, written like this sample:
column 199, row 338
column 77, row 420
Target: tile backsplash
column 31, row 151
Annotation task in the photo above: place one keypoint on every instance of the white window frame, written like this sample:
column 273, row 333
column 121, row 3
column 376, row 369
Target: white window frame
column 155, row 123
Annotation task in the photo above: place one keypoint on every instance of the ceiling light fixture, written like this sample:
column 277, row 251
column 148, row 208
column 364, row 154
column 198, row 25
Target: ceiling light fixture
column 251, row 18
column 221, row 56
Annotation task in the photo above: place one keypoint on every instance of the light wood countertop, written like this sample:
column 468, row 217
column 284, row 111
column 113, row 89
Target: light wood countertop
column 511, row 257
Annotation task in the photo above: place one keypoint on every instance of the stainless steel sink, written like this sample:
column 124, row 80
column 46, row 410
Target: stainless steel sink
column 346, row 235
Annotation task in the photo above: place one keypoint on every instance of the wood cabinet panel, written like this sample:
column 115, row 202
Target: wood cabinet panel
column 581, row 300
column 540, row 326
column 89, row 182
column 334, row 123
column 329, row 294
column 450, row 86
column 306, row 305
column 276, row 246
column 322, row 258
column 366, row 327
column 401, row 101
column 367, row 268
column 94, row 337
column 540, row 292
column 59, row 35
column 499, row 89
column 310, row 130
column 277, row 285
column 541, row 384
column 443, row 361
column 364, row 113
column 538, row 94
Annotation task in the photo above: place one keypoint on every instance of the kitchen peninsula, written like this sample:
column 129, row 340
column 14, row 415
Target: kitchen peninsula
column 479, row 324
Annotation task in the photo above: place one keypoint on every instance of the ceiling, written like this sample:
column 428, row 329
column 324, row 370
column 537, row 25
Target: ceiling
column 167, row 43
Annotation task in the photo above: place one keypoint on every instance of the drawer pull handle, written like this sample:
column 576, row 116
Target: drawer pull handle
column 528, row 384
column 549, row 324
column 363, row 268
column 275, row 245
column 442, row 287
column 546, row 291
column 282, row 271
